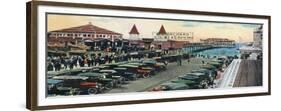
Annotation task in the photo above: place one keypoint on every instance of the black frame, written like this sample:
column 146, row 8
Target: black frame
column 31, row 54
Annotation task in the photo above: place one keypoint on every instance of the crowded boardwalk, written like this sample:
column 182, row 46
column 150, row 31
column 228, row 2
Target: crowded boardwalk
column 88, row 60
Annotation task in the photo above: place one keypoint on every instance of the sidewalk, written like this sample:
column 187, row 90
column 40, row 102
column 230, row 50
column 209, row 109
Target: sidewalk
column 228, row 76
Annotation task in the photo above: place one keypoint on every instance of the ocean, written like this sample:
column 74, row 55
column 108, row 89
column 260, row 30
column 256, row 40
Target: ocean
column 220, row 52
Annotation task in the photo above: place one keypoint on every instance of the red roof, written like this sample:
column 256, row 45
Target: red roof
column 134, row 30
column 89, row 28
column 162, row 30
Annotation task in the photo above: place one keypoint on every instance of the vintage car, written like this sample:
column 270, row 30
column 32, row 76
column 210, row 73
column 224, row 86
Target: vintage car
column 55, row 87
column 144, row 67
column 101, row 67
column 217, row 60
column 157, row 65
column 113, row 75
column 112, row 65
column 136, row 69
column 170, row 58
column 202, row 80
column 126, row 74
column 106, row 83
column 212, row 74
column 216, row 64
column 190, row 83
column 171, row 86
column 209, row 67
column 78, row 85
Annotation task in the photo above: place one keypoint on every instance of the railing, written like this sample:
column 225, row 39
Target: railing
column 196, row 47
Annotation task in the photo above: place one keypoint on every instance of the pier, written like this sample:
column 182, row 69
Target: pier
column 242, row 73
column 197, row 47
column 249, row 74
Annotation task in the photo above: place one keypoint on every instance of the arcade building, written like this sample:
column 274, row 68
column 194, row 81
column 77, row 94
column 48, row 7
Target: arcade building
column 171, row 40
column 161, row 39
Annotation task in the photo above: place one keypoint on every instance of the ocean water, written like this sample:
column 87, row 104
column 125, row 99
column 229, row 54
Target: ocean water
column 220, row 52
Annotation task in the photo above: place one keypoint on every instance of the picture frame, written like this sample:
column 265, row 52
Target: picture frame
column 38, row 20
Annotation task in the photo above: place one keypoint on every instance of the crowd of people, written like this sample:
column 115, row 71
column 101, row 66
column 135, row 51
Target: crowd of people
column 57, row 63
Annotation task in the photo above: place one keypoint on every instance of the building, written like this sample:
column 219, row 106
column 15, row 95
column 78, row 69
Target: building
column 256, row 49
column 220, row 42
column 171, row 40
column 79, row 34
column 258, row 37
column 134, row 33
column 162, row 35
column 134, row 37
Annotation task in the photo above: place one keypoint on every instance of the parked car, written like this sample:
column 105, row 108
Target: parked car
column 106, row 83
column 216, row 64
column 55, row 87
column 111, row 65
column 190, row 83
column 157, row 65
column 202, row 80
column 209, row 67
column 113, row 75
column 211, row 73
column 141, row 66
column 171, row 86
column 136, row 69
column 125, row 73
column 78, row 84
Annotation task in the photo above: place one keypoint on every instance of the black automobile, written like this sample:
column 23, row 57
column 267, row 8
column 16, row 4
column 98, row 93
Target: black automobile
column 169, row 86
column 201, row 79
column 106, row 83
column 74, row 85
column 112, row 74
column 125, row 73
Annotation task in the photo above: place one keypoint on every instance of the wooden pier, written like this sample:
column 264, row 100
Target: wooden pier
column 196, row 47
column 249, row 74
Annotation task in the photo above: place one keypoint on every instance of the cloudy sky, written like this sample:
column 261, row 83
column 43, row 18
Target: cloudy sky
column 201, row 30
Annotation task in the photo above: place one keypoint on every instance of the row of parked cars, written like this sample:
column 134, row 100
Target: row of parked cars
column 195, row 79
column 99, row 79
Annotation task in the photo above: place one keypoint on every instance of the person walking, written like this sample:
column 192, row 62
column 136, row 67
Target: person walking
column 179, row 61
column 71, row 64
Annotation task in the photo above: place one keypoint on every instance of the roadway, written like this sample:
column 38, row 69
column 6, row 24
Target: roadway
column 173, row 71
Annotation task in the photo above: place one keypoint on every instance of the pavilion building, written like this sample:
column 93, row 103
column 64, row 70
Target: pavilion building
column 79, row 34
column 89, row 35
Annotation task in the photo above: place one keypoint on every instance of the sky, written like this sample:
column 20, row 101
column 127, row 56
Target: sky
column 202, row 30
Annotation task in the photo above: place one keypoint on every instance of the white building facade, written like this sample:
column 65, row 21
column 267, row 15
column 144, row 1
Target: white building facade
column 162, row 35
column 258, row 37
